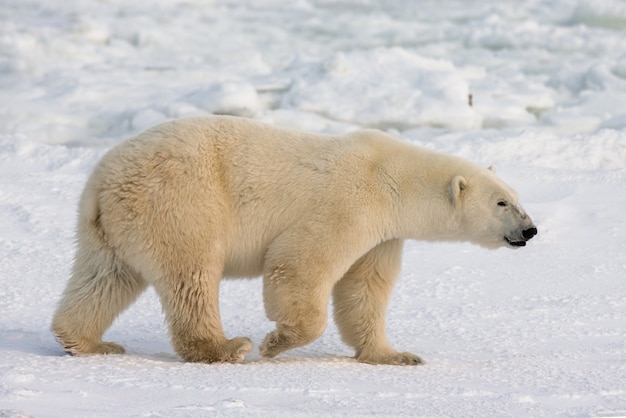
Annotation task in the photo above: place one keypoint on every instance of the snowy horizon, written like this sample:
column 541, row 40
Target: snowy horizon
column 540, row 331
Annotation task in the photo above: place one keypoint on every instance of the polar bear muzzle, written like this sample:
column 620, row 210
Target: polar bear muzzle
column 527, row 234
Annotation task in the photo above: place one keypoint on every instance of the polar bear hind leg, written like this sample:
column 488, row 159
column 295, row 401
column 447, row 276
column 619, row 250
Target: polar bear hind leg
column 99, row 289
column 191, row 309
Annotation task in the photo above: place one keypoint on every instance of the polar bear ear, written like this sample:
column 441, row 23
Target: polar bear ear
column 457, row 186
column 492, row 169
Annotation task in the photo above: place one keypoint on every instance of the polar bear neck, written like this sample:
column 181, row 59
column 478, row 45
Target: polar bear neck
column 418, row 180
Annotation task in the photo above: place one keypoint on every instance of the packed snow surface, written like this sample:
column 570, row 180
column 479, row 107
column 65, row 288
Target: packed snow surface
column 536, row 88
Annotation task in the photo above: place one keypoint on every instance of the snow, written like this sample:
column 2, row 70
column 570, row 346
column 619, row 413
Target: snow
column 540, row 331
column 439, row 95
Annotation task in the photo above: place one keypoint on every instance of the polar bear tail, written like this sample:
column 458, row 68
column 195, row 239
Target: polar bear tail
column 100, row 288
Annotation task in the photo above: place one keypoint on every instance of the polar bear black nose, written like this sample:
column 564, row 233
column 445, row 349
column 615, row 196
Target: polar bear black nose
column 529, row 233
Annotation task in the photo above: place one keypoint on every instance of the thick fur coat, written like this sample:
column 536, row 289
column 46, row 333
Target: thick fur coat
column 189, row 202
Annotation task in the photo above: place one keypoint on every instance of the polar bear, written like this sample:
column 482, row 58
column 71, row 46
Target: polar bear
column 191, row 201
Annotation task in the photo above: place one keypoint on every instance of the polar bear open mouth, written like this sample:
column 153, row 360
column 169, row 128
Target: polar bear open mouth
column 515, row 243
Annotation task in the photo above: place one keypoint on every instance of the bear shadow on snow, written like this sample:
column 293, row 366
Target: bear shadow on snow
column 28, row 342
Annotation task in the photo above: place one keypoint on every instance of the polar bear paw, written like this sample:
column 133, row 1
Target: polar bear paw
column 84, row 348
column 206, row 351
column 273, row 344
column 107, row 348
column 394, row 359
column 236, row 349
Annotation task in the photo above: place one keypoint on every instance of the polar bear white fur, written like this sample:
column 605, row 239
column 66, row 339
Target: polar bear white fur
column 189, row 202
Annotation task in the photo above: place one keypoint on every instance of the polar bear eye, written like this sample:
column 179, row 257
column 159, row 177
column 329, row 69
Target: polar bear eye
column 502, row 203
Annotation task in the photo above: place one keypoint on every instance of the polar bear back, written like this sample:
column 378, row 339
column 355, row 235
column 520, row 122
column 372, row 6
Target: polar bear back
column 250, row 180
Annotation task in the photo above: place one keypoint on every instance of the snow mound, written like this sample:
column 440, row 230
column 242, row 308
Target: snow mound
column 601, row 13
column 228, row 98
column 386, row 87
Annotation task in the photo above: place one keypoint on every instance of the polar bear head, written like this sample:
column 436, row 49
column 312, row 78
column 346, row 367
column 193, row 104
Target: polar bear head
column 489, row 211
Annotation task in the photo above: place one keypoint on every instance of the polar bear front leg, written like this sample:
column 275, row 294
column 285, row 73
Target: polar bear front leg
column 360, row 301
column 191, row 305
column 298, row 306
column 299, row 274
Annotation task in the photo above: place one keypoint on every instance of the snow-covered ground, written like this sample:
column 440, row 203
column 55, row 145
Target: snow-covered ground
column 536, row 332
